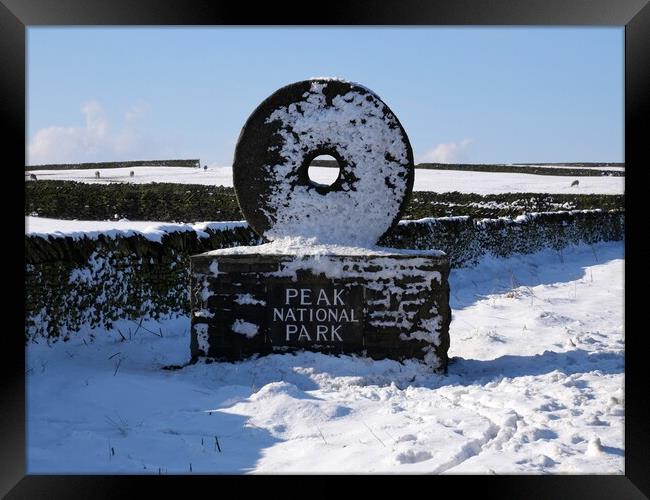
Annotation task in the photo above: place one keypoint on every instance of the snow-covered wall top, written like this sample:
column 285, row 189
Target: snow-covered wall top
column 323, row 116
column 92, row 229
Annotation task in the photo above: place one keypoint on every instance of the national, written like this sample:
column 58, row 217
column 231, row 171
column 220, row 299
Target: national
column 335, row 315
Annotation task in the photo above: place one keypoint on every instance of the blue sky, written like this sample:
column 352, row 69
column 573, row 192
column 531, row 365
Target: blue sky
column 474, row 95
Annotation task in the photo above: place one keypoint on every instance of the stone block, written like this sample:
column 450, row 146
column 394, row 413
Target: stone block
column 361, row 304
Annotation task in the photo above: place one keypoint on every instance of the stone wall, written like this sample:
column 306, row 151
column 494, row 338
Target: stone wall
column 71, row 283
column 116, row 164
column 590, row 170
column 466, row 239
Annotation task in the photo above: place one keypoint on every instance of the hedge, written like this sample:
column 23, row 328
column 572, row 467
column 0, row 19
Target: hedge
column 154, row 202
column 76, row 283
column 191, row 203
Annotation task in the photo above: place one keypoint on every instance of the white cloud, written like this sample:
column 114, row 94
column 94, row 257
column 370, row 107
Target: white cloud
column 136, row 112
column 96, row 141
column 448, row 152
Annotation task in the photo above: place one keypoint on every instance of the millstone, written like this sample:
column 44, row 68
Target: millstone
column 316, row 117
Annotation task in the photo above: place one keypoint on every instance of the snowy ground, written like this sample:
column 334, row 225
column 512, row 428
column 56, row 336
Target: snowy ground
column 425, row 180
column 535, row 386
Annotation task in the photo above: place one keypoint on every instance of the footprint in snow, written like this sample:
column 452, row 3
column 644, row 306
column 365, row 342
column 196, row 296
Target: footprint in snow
column 413, row 457
column 576, row 438
column 596, row 421
column 406, row 437
column 537, row 434
column 551, row 406
column 550, row 318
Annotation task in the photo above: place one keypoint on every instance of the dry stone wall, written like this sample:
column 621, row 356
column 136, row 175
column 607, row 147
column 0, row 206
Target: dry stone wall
column 75, row 283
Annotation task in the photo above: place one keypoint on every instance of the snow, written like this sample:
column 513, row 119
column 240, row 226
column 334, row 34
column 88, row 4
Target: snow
column 338, row 79
column 245, row 328
column 215, row 175
column 202, row 336
column 535, row 386
column 300, row 246
column 363, row 132
column 92, row 229
column 247, row 298
column 440, row 181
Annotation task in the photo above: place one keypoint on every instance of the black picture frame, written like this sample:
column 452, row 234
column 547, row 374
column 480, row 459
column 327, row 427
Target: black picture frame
column 17, row 15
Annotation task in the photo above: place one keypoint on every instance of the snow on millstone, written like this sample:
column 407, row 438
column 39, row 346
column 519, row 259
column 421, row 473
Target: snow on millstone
column 302, row 121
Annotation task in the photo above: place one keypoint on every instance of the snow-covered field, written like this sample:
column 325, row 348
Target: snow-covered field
column 425, row 180
column 535, row 386
column 443, row 181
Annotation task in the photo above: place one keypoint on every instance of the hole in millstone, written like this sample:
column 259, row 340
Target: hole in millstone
column 324, row 170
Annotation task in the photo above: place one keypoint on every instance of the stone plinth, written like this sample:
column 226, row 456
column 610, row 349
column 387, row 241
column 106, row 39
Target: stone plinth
column 383, row 304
